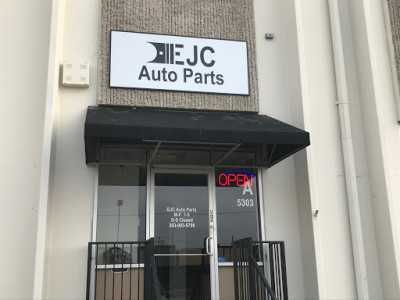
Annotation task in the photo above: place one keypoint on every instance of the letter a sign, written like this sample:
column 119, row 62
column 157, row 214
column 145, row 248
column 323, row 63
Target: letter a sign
column 177, row 63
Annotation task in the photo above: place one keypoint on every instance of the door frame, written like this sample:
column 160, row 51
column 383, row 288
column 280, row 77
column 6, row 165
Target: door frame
column 150, row 217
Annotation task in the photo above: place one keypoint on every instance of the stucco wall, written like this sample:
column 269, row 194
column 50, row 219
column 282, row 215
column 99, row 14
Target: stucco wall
column 24, row 31
column 394, row 20
column 210, row 19
column 392, row 17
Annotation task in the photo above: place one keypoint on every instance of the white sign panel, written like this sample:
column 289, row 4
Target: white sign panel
column 177, row 63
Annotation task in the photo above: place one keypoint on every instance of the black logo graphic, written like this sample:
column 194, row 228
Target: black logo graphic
column 167, row 54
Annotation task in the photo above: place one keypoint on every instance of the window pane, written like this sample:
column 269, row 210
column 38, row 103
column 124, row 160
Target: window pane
column 121, row 208
column 237, row 208
column 236, row 158
column 181, row 157
column 181, row 213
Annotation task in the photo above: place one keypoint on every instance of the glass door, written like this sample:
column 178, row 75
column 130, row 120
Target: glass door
column 183, row 231
column 238, row 217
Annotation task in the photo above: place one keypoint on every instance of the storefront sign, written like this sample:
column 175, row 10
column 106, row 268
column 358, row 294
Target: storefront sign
column 177, row 63
column 236, row 178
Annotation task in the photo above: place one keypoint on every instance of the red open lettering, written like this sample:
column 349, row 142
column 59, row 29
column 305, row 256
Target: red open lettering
column 222, row 180
column 235, row 179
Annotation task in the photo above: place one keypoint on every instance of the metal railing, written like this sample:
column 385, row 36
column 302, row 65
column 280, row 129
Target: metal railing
column 251, row 280
column 122, row 271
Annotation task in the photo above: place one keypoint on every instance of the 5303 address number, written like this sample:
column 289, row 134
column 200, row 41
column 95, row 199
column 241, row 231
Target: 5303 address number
column 245, row 202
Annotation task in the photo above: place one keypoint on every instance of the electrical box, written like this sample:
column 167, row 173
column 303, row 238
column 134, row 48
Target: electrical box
column 75, row 74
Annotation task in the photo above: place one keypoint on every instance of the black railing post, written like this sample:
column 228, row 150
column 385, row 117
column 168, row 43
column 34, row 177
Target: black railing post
column 235, row 269
column 156, row 283
column 284, row 275
column 89, row 271
column 248, row 247
column 148, row 286
column 272, row 265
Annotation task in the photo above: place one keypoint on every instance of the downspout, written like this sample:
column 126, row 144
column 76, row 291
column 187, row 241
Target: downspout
column 353, row 200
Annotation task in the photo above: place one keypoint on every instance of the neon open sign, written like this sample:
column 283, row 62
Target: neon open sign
column 236, row 178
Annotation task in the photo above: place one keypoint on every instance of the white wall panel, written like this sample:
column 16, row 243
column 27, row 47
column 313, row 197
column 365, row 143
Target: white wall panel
column 24, row 32
column 73, row 185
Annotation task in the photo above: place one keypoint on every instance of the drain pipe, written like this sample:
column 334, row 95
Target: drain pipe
column 348, row 154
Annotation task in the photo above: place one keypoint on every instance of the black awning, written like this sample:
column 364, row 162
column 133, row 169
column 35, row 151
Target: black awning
column 270, row 138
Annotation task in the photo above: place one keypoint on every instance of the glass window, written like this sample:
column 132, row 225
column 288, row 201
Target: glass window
column 121, row 209
column 181, row 212
column 181, row 157
column 237, row 208
column 118, row 155
column 236, row 158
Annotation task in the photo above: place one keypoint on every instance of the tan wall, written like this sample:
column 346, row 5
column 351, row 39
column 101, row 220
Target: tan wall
column 126, row 285
column 211, row 19
column 226, row 283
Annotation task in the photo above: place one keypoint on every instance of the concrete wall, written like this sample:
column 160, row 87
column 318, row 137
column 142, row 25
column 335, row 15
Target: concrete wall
column 277, row 91
column 24, row 31
column 361, row 157
column 381, row 133
column 327, row 189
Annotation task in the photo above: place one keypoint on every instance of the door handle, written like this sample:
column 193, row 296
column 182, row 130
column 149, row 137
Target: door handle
column 207, row 245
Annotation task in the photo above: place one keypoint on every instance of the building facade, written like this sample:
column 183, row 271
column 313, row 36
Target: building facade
column 91, row 157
